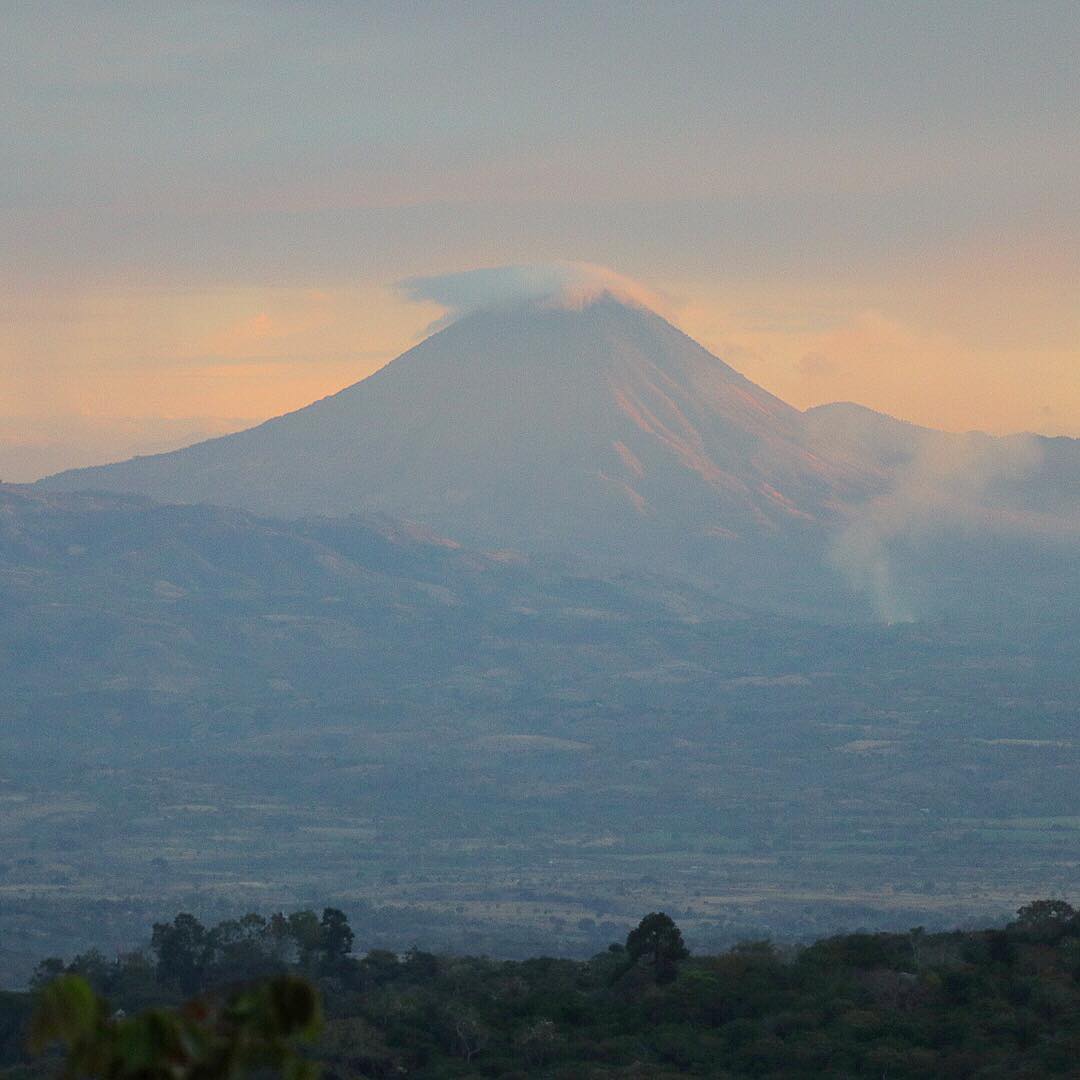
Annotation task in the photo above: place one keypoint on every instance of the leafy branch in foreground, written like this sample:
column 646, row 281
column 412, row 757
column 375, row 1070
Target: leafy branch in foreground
column 258, row 1028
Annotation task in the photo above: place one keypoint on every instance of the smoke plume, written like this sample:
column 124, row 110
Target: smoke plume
column 951, row 484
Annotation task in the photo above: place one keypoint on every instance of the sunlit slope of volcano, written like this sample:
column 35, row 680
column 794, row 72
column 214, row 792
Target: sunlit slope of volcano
column 598, row 426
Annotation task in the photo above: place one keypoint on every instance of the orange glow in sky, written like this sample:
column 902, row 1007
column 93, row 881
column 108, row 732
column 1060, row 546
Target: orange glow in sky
column 103, row 375
column 201, row 213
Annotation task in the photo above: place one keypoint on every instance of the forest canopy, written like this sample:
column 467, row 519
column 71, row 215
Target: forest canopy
column 986, row 1003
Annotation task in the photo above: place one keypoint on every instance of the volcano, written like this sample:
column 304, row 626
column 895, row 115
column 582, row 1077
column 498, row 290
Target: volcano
column 597, row 427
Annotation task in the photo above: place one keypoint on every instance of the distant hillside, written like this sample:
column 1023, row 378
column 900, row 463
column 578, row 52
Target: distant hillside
column 120, row 592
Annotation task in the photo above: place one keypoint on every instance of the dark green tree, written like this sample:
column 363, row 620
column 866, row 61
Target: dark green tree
column 1045, row 913
column 657, row 939
column 183, row 950
column 304, row 929
column 1046, row 920
column 335, row 935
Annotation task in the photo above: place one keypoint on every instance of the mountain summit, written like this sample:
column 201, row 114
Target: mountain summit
column 596, row 427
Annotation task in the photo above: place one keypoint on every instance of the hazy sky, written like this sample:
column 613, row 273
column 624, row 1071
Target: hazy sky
column 203, row 207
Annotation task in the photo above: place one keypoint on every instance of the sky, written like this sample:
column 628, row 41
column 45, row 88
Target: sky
column 204, row 208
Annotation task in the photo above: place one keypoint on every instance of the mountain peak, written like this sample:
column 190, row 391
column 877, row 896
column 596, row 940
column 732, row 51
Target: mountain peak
column 556, row 412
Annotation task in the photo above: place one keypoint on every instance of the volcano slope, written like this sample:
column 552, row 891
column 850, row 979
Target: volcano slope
column 598, row 429
column 601, row 430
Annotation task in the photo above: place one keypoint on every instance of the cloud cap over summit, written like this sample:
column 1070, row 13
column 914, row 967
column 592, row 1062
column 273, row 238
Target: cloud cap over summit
column 563, row 284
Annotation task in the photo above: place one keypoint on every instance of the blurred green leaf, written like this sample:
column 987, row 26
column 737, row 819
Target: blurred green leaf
column 253, row 1031
column 68, row 1011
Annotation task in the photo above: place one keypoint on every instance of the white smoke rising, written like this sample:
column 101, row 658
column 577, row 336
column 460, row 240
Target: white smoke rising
column 558, row 284
column 950, row 482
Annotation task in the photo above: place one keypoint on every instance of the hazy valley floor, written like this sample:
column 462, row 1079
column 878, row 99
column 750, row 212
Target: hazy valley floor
column 213, row 712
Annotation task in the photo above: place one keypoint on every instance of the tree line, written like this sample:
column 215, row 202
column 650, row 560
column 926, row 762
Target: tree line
column 994, row 1003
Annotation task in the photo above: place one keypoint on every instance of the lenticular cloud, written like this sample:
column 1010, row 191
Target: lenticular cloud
column 559, row 284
